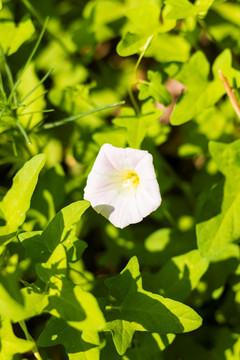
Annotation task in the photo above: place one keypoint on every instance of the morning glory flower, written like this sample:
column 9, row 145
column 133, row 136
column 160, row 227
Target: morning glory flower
column 122, row 185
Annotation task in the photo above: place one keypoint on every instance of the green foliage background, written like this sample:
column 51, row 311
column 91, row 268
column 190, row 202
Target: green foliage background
column 140, row 73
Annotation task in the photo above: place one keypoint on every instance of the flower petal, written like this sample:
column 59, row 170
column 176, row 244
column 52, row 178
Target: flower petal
column 148, row 197
column 145, row 169
column 125, row 211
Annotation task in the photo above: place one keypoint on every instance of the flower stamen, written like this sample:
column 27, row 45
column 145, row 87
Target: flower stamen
column 131, row 179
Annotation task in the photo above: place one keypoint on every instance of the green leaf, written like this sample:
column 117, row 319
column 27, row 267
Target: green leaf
column 10, row 344
column 49, row 195
column 66, row 300
column 63, row 225
column 11, row 299
column 78, row 307
column 78, row 345
column 115, row 137
column 137, row 126
column 131, row 44
column 217, row 221
column 154, row 88
column 18, row 304
column 220, row 268
column 34, row 246
column 35, row 101
column 141, row 310
column 201, row 94
column 184, row 9
column 173, row 48
column 226, row 156
column 149, row 345
column 16, row 202
column 142, row 26
column 203, row 6
column 180, row 275
column 12, row 36
column 179, row 9
column 228, row 11
column 34, row 303
column 56, row 266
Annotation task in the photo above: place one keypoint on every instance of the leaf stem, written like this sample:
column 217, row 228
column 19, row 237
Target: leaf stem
column 141, row 56
column 133, row 100
column 135, row 78
column 230, row 93
column 29, row 338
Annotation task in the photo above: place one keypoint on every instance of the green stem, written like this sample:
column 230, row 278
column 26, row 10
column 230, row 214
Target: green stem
column 29, row 338
column 171, row 219
column 23, row 132
column 2, row 88
column 135, row 78
column 133, row 100
column 141, row 56
column 36, row 112
column 9, row 76
column 14, row 148
column 76, row 117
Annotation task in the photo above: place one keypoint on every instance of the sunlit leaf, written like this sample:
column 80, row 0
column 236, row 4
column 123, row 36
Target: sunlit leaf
column 140, row 310
column 17, row 200
column 12, row 36
column 82, row 345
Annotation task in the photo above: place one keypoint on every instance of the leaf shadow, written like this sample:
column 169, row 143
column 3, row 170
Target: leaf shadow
column 144, row 308
column 65, row 304
column 105, row 210
column 63, row 334
column 174, row 283
column 210, row 203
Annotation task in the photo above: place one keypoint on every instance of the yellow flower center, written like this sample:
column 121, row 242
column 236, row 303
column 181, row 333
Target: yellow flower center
column 131, row 179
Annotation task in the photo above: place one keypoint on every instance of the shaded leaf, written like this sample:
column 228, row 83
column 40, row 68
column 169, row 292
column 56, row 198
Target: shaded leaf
column 78, row 345
column 63, row 225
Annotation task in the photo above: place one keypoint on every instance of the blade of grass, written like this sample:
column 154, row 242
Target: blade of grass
column 28, row 61
column 23, row 132
column 36, row 112
column 9, row 75
column 2, row 112
column 79, row 116
column 15, row 153
column 35, row 87
column 2, row 88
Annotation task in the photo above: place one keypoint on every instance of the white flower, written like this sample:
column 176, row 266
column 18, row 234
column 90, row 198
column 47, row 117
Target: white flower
column 122, row 185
